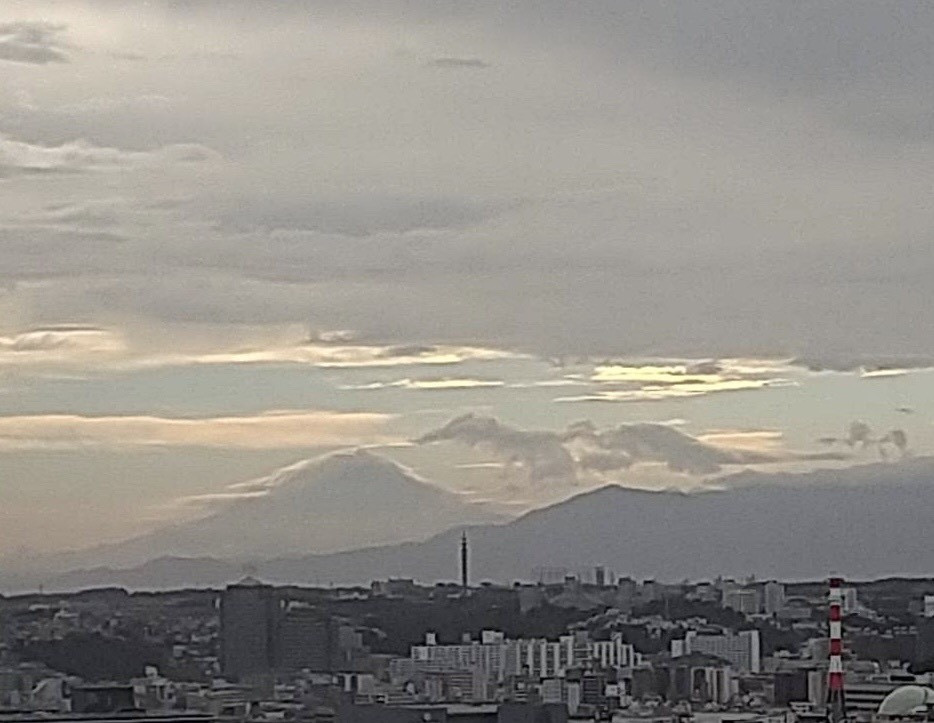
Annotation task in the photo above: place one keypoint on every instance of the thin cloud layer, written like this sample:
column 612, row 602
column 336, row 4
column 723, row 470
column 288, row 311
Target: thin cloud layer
column 365, row 464
column 344, row 356
column 868, row 365
column 273, row 430
column 80, row 156
column 97, row 348
column 647, row 381
column 452, row 62
column 440, row 384
column 32, row 42
column 68, row 345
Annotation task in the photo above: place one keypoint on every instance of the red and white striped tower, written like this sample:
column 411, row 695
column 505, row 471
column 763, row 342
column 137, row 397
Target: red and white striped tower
column 836, row 701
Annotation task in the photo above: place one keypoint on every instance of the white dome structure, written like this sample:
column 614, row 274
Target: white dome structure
column 909, row 701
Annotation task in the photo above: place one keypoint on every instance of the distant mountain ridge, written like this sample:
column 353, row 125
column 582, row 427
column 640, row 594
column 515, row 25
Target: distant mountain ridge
column 866, row 521
column 343, row 500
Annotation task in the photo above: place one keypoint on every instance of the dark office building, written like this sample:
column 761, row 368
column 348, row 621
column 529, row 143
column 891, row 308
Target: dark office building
column 261, row 634
column 249, row 620
column 924, row 646
column 87, row 699
column 305, row 638
column 645, row 683
column 592, row 687
column 791, row 686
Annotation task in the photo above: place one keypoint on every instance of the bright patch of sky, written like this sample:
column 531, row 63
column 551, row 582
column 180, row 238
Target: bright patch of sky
column 130, row 480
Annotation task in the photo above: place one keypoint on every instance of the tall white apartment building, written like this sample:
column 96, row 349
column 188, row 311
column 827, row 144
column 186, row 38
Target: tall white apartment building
column 741, row 649
column 489, row 655
column 495, row 657
column 613, row 653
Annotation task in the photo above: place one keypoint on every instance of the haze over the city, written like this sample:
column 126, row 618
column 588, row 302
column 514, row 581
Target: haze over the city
column 514, row 252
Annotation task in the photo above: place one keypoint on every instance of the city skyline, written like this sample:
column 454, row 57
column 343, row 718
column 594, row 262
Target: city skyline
column 601, row 648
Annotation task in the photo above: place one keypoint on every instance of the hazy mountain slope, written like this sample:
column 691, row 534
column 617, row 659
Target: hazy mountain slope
column 345, row 500
column 862, row 522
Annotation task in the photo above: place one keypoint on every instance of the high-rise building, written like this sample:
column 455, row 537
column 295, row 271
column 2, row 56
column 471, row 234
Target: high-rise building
column 249, row 617
column 924, row 645
column 599, row 573
column 304, row 638
column 612, row 653
column 262, row 633
column 791, row 686
column 626, row 589
column 773, row 597
column 697, row 677
column 849, row 601
column 742, row 599
column 741, row 649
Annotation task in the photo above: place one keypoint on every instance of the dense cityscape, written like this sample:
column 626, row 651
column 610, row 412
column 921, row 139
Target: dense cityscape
column 592, row 646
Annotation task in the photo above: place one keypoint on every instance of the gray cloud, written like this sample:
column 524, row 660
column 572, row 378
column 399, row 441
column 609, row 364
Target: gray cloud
column 662, row 227
column 130, row 57
column 849, row 362
column 898, row 438
column 541, row 455
column 860, row 434
column 583, row 448
column 680, row 452
column 44, row 252
column 604, row 462
column 296, row 428
column 32, row 42
column 63, row 345
column 363, row 215
column 51, row 338
column 844, row 58
column 98, row 213
column 79, row 156
column 453, row 62
column 657, row 379
column 431, row 384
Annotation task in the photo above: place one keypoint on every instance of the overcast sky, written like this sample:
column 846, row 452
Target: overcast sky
column 234, row 234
